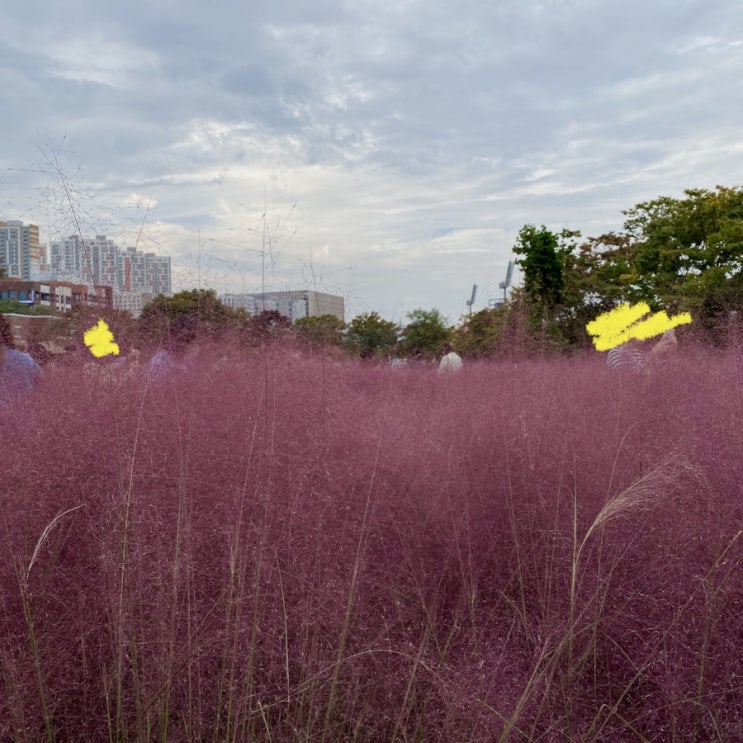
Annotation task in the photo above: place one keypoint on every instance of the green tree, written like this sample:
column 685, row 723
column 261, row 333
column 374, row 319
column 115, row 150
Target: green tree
column 82, row 317
column 185, row 316
column 540, row 260
column 369, row 330
column 425, row 333
column 482, row 334
column 689, row 251
column 555, row 288
column 675, row 254
column 321, row 330
column 596, row 277
column 267, row 327
column 687, row 255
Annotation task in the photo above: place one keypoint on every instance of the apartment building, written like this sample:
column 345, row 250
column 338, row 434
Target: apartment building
column 21, row 255
column 92, row 259
column 135, row 277
column 142, row 272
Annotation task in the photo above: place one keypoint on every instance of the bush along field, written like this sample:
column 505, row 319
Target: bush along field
column 275, row 548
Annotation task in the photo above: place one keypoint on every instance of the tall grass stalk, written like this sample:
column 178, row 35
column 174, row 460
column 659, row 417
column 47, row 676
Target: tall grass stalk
column 355, row 574
column 205, row 557
column 597, row 729
column 22, row 577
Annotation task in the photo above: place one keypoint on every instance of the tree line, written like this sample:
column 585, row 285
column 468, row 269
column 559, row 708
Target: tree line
column 678, row 254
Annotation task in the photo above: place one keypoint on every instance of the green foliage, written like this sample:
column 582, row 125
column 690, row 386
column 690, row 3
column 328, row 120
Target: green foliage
column 425, row 333
column 322, row 330
column 369, row 330
column 185, row 316
column 688, row 252
column 595, row 279
column 482, row 333
column 21, row 308
column 675, row 254
column 267, row 326
column 199, row 303
column 558, row 292
column 540, row 261
column 80, row 318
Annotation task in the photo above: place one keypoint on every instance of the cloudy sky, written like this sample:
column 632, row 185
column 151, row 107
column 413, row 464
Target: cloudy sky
column 385, row 150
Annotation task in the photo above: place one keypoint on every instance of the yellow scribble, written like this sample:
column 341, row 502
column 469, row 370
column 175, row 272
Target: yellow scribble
column 624, row 323
column 100, row 340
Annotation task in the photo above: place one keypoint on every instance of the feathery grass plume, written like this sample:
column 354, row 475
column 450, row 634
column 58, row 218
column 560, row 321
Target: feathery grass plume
column 44, row 536
column 640, row 494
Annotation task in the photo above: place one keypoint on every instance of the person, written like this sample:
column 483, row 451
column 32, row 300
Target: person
column 417, row 360
column 665, row 347
column 18, row 374
column 160, row 366
column 630, row 356
column 366, row 355
column 626, row 357
column 451, row 361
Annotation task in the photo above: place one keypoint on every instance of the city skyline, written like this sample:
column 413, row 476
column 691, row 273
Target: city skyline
column 133, row 276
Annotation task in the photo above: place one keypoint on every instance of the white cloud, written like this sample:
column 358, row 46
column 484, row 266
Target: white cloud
column 398, row 147
column 708, row 44
column 139, row 201
column 101, row 60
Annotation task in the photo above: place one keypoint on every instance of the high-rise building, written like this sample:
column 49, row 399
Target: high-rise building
column 134, row 276
column 21, row 255
column 66, row 257
column 142, row 272
column 102, row 255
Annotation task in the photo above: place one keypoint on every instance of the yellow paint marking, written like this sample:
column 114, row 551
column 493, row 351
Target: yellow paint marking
column 100, row 340
column 624, row 323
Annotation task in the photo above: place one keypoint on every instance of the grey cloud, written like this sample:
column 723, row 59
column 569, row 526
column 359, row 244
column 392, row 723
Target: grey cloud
column 425, row 114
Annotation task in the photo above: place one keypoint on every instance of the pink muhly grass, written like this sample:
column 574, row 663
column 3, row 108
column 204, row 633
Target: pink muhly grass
column 277, row 547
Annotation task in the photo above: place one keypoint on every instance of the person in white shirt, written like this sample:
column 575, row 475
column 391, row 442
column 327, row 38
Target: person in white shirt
column 451, row 361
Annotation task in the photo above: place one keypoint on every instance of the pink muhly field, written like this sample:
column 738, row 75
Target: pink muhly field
column 281, row 548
